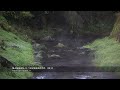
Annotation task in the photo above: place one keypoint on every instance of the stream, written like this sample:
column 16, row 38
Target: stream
column 68, row 56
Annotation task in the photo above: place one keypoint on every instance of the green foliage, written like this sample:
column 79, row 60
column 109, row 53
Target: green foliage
column 116, row 28
column 18, row 14
column 4, row 24
column 26, row 14
column 2, row 19
column 101, row 27
column 107, row 52
column 89, row 22
column 7, row 74
column 17, row 51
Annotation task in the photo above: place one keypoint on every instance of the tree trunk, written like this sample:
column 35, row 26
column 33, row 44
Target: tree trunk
column 116, row 29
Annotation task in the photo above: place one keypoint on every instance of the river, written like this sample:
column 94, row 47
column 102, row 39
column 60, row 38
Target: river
column 69, row 56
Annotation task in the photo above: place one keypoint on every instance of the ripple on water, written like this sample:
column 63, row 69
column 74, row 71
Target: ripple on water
column 45, row 75
column 82, row 77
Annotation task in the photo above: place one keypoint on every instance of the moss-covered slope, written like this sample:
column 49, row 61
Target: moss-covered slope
column 18, row 52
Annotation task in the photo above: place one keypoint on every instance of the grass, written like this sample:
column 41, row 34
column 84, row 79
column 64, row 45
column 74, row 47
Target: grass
column 107, row 52
column 19, row 52
column 6, row 74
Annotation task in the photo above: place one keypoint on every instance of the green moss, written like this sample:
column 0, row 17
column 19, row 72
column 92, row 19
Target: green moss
column 4, row 24
column 3, row 19
column 7, row 74
column 17, row 51
column 107, row 52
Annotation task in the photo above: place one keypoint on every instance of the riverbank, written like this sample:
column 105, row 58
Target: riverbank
column 65, row 55
column 107, row 53
column 16, row 51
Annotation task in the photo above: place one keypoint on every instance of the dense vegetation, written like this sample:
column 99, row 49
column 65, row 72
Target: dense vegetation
column 104, row 49
column 14, row 49
column 107, row 50
column 19, row 28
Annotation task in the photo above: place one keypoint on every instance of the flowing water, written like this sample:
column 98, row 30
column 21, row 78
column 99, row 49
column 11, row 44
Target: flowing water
column 69, row 58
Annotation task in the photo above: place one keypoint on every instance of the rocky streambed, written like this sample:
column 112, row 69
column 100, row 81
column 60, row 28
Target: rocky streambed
column 68, row 56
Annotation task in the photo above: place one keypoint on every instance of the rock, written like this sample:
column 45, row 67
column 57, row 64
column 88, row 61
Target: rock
column 37, row 63
column 38, row 55
column 6, row 63
column 40, row 77
column 54, row 56
column 36, row 52
column 37, row 45
column 48, row 38
column 82, row 53
column 80, row 48
column 60, row 45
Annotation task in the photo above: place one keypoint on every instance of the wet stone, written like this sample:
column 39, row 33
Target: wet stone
column 53, row 56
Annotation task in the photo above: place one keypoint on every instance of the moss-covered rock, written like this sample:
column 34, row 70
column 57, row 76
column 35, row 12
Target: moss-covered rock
column 60, row 45
column 16, row 51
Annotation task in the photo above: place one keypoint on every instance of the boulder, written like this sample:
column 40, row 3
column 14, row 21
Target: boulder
column 48, row 38
column 82, row 53
column 54, row 56
column 60, row 45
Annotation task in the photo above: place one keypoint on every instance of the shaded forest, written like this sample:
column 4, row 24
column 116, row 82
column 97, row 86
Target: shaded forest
column 24, row 36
